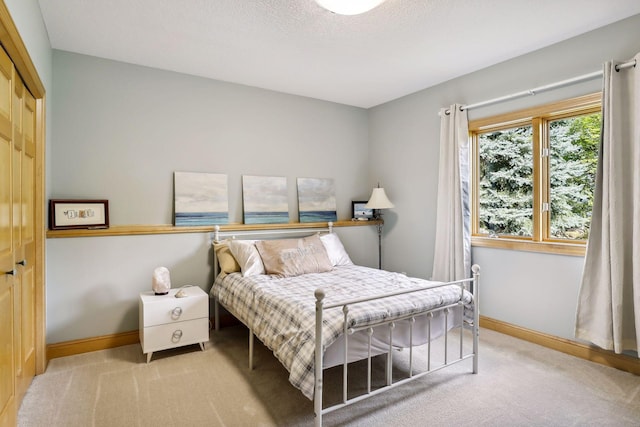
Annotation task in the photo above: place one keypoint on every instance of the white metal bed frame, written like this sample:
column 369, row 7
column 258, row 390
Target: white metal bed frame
column 471, row 284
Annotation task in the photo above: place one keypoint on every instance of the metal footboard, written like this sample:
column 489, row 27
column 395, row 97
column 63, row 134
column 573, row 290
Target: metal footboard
column 390, row 384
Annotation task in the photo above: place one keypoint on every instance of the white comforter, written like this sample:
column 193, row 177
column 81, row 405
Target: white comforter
column 281, row 311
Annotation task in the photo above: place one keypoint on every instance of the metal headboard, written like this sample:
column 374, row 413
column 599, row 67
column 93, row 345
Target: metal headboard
column 248, row 234
column 257, row 233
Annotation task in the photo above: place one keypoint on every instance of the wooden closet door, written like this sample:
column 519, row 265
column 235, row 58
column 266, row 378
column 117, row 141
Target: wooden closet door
column 23, row 119
column 8, row 406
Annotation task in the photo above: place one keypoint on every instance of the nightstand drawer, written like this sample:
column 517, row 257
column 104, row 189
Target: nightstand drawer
column 163, row 309
column 155, row 338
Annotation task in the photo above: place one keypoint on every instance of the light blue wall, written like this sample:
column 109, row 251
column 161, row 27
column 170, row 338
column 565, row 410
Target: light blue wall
column 536, row 291
column 121, row 130
column 119, row 133
column 28, row 19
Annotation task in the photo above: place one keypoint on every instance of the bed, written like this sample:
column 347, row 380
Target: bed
column 305, row 300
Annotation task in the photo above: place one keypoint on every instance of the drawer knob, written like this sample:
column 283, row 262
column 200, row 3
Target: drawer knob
column 176, row 313
column 176, row 336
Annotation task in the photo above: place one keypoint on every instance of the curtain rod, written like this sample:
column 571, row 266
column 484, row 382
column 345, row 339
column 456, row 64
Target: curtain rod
column 539, row 89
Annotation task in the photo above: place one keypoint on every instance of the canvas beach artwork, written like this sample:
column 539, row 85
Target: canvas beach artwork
column 317, row 200
column 265, row 199
column 200, row 199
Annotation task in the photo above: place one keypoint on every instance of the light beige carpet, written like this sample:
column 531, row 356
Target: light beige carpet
column 519, row 384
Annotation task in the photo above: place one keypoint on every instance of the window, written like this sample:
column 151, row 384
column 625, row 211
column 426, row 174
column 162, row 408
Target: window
column 534, row 176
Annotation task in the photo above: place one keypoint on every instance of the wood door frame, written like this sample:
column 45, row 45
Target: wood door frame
column 17, row 51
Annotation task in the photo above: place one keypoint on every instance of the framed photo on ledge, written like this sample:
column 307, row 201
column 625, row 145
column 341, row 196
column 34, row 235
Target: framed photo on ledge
column 359, row 212
column 67, row 214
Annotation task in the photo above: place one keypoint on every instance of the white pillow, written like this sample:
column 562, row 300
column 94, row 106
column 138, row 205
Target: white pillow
column 247, row 256
column 335, row 250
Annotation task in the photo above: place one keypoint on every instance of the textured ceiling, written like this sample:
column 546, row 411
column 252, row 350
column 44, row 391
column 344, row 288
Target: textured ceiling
column 296, row 47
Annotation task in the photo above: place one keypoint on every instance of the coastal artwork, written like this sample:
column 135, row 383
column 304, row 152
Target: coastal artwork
column 265, row 199
column 317, row 200
column 200, row 199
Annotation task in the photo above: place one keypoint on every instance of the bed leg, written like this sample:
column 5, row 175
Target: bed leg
column 317, row 391
column 389, row 368
column 250, row 349
column 216, row 314
column 476, row 315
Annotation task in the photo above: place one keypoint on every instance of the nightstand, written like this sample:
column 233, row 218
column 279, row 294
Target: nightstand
column 169, row 322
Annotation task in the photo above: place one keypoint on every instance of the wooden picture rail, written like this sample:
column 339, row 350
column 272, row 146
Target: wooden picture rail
column 133, row 230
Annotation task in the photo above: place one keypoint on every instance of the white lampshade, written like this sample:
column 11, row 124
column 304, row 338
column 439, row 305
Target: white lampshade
column 349, row 7
column 378, row 200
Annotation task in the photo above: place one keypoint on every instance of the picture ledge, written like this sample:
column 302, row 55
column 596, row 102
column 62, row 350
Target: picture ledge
column 132, row 230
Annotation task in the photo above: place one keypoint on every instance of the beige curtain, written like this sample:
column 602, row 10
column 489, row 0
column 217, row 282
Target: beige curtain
column 452, row 257
column 608, row 312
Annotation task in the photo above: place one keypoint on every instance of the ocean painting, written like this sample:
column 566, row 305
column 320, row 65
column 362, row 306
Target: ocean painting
column 265, row 199
column 317, row 200
column 200, row 199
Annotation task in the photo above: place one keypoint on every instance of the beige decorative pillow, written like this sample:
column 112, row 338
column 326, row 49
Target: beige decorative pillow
column 293, row 257
column 226, row 261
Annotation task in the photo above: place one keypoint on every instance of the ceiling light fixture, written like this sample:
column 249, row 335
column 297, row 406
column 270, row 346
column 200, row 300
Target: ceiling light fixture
column 349, row 7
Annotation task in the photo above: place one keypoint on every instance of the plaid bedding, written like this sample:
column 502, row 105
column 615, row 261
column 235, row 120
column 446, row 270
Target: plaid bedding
column 281, row 311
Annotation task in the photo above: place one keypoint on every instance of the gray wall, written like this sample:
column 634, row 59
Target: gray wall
column 119, row 133
column 28, row 19
column 536, row 291
column 26, row 15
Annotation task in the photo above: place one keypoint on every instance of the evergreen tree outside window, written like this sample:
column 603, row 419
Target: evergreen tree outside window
column 534, row 176
column 506, row 182
column 573, row 157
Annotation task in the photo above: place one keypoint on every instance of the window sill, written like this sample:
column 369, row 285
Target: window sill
column 573, row 249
